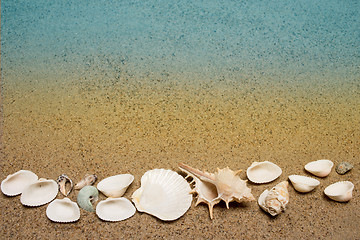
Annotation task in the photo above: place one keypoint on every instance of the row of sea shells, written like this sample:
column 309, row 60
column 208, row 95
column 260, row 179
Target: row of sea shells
column 165, row 194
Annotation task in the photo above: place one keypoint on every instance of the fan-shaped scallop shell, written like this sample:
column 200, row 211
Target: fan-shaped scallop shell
column 63, row 211
column 115, row 186
column 115, row 209
column 39, row 193
column 320, row 168
column 340, row 191
column 15, row 183
column 164, row 194
column 263, row 172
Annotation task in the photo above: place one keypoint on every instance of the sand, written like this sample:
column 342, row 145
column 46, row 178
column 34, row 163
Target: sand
column 126, row 128
column 117, row 87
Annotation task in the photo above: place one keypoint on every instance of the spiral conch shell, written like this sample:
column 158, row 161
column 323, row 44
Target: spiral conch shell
column 275, row 200
column 224, row 185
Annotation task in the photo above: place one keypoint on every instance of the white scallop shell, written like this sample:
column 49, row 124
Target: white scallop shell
column 15, row 183
column 115, row 186
column 63, row 211
column 303, row 184
column 115, row 209
column 39, row 193
column 340, row 191
column 164, row 194
column 319, row 168
column 263, row 172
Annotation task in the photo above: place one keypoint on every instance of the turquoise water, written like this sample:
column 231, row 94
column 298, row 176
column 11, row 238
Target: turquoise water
column 205, row 39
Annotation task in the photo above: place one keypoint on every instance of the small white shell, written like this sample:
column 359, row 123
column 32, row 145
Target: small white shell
column 115, row 186
column 263, row 172
column 15, row 183
column 320, row 168
column 164, row 194
column 115, row 209
column 340, row 191
column 303, row 184
column 63, row 211
column 39, row 193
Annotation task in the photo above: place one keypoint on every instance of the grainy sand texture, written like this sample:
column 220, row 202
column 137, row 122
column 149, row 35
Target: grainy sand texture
column 126, row 87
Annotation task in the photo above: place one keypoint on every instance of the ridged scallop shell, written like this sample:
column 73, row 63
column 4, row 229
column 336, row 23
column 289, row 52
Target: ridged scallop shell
column 63, row 211
column 340, row 191
column 275, row 200
column 320, row 168
column 115, row 209
column 39, row 193
column 164, row 194
column 303, row 184
column 224, row 185
column 115, row 186
column 263, row 172
column 15, row 183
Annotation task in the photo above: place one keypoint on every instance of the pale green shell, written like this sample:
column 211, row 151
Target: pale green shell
column 86, row 197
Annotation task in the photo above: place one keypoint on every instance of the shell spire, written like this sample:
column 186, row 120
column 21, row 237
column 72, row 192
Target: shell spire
column 211, row 188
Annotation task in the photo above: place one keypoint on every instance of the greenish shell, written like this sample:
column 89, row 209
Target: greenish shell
column 86, row 197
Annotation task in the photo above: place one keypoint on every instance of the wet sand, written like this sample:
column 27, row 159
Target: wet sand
column 135, row 125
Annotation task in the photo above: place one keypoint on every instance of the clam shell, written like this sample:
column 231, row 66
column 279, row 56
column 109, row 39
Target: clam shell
column 263, row 172
column 319, row 168
column 15, row 183
column 164, row 194
column 303, row 184
column 63, row 211
column 340, row 191
column 115, row 209
column 115, row 186
column 39, row 193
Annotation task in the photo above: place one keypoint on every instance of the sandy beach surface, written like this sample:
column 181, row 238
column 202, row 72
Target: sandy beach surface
column 112, row 87
column 131, row 129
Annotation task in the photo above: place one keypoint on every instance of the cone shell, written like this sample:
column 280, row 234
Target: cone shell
column 263, row 172
column 275, row 200
column 115, row 209
column 15, row 183
column 63, row 211
column 340, row 191
column 303, row 184
column 164, row 194
column 39, row 193
column 115, row 186
column 319, row 168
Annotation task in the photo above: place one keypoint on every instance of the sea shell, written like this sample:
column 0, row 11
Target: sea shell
column 224, row 185
column 343, row 168
column 164, row 194
column 39, row 193
column 15, row 183
column 63, row 211
column 115, row 186
column 87, row 181
column 275, row 200
column 320, row 168
column 340, row 191
column 263, row 172
column 86, row 197
column 62, row 180
column 115, row 209
column 303, row 184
